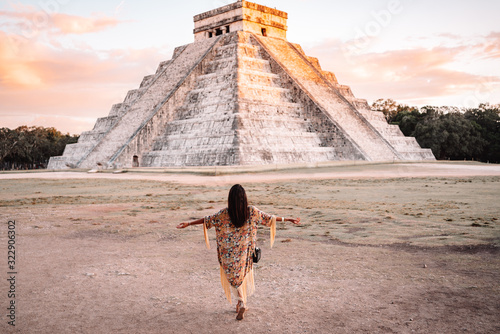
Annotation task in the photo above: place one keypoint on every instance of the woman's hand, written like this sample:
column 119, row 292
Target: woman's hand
column 196, row 222
column 296, row 221
column 183, row 225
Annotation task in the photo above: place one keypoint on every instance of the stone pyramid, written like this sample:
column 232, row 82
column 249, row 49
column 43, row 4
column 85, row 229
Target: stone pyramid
column 241, row 94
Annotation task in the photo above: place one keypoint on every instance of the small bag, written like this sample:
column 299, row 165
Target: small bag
column 256, row 255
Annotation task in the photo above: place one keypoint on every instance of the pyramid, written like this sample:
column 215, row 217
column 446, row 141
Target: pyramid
column 241, row 94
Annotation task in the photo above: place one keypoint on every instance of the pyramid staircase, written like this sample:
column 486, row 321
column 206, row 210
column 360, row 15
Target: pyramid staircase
column 239, row 113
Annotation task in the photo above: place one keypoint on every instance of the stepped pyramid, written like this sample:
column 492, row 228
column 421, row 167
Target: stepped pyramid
column 241, row 94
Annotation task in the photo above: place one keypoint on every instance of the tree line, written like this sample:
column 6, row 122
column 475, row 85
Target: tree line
column 451, row 133
column 31, row 147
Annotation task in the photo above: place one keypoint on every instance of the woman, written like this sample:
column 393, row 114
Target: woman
column 236, row 231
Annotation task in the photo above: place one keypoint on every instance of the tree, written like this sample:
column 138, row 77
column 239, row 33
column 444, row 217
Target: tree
column 31, row 147
column 450, row 136
column 388, row 106
column 407, row 118
column 8, row 141
column 488, row 119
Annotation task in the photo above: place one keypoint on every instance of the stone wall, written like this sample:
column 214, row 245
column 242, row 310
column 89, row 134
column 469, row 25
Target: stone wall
column 241, row 16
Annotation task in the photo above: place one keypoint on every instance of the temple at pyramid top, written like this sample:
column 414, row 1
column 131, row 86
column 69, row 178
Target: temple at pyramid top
column 241, row 94
column 241, row 16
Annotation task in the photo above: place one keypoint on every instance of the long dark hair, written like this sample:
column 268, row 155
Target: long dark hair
column 237, row 205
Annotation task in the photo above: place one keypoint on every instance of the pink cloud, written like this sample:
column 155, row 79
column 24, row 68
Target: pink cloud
column 417, row 75
column 31, row 22
column 492, row 46
column 69, row 24
column 30, row 64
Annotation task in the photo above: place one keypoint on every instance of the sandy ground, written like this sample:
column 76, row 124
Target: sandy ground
column 409, row 248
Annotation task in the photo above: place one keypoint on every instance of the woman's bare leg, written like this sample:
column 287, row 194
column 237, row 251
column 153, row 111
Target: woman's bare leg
column 240, row 307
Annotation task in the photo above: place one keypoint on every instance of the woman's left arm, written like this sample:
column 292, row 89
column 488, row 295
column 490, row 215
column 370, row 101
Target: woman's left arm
column 194, row 222
column 296, row 221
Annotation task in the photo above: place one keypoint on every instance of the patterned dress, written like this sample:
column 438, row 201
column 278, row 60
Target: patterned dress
column 235, row 247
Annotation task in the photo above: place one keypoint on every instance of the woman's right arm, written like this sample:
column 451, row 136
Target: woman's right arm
column 194, row 222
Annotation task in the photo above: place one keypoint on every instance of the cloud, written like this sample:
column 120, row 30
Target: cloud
column 492, row 46
column 30, row 22
column 417, row 75
column 15, row 63
column 69, row 24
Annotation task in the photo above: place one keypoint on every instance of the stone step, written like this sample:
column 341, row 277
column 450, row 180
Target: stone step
column 244, row 71
column 345, row 91
column 374, row 116
column 360, row 104
column 263, row 93
column 73, row 151
column 248, row 130
column 181, row 151
column 254, row 64
column 197, row 143
column 58, row 163
column 251, row 105
column 132, row 95
column 195, row 97
column 248, row 50
column 189, row 130
column 250, row 86
column 206, row 80
column 222, row 157
column 162, row 66
column 226, row 147
column 147, row 80
column 252, row 149
column 236, row 49
column 222, row 66
column 206, row 107
column 403, row 143
column 276, row 139
column 258, row 78
column 251, row 156
column 331, row 77
column 214, row 117
column 390, row 131
column 228, row 156
column 226, row 51
column 417, row 155
column 91, row 136
column 117, row 109
column 103, row 124
column 274, row 120
column 220, row 86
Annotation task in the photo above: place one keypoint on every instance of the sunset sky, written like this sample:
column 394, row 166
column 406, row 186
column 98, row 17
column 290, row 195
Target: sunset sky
column 64, row 63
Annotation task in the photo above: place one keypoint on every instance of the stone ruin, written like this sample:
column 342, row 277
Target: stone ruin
column 241, row 94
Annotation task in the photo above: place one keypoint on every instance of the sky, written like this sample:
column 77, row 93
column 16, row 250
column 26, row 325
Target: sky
column 64, row 63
